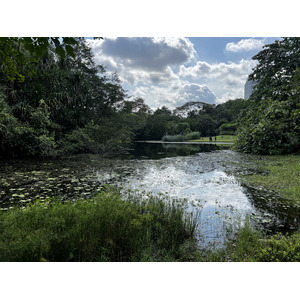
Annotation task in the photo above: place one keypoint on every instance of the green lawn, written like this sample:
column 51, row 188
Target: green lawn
column 219, row 138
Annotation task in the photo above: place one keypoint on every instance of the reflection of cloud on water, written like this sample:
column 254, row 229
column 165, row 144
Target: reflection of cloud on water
column 220, row 195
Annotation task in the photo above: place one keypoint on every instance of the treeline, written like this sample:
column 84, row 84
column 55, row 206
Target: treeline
column 208, row 121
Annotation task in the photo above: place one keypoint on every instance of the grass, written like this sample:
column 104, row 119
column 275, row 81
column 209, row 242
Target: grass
column 103, row 228
column 250, row 245
column 280, row 174
column 226, row 138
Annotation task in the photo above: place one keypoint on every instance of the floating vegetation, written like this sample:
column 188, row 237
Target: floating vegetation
column 23, row 181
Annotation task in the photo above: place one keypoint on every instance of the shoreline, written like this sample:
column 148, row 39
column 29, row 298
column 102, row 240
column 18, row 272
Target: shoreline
column 195, row 143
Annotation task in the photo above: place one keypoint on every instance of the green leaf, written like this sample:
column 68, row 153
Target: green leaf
column 70, row 51
column 60, row 51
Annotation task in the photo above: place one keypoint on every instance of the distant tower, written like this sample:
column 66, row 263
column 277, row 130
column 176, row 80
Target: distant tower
column 249, row 86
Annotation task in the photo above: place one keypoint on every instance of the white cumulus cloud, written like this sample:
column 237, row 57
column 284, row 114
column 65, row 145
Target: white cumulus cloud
column 245, row 45
column 176, row 94
column 203, row 69
column 164, row 72
column 226, row 80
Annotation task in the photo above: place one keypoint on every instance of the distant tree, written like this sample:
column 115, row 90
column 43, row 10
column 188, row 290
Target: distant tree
column 183, row 128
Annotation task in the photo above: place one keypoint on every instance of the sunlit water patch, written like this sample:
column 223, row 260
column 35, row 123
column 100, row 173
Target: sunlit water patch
column 217, row 196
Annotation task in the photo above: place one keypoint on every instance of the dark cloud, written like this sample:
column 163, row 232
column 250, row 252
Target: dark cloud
column 149, row 54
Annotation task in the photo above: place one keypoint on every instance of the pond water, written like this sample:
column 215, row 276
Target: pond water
column 205, row 176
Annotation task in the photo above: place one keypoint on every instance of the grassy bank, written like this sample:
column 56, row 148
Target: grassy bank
column 103, row 228
column 279, row 173
column 219, row 138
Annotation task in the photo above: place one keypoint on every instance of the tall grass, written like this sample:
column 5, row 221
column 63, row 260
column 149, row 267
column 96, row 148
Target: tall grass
column 251, row 245
column 103, row 228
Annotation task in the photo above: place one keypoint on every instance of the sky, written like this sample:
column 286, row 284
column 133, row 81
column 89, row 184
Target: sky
column 174, row 70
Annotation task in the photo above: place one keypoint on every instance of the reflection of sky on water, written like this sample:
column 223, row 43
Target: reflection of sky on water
column 200, row 179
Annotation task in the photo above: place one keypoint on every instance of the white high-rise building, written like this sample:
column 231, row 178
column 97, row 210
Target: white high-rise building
column 249, row 86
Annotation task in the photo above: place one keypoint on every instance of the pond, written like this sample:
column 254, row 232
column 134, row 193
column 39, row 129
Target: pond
column 205, row 176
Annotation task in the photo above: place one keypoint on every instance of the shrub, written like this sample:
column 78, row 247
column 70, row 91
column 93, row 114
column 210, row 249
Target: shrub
column 173, row 138
column 195, row 135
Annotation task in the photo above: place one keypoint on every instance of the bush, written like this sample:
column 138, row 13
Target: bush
column 173, row 138
column 195, row 135
column 255, row 246
column 281, row 248
column 272, row 128
column 227, row 129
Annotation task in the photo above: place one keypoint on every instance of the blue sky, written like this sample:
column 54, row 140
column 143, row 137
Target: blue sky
column 172, row 71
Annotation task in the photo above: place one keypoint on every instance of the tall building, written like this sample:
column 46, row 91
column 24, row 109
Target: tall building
column 249, row 86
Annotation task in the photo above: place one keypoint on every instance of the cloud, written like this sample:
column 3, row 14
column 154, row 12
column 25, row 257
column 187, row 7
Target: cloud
column 226, row 80
column 195, row 92
column 176, row 94
column 144, row 53
column 217, row 71
column 135, row 76
column 230, row 95
column 164, row 72
column 245, row 45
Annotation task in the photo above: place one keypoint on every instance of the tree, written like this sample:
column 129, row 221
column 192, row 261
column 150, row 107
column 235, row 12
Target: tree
column 277, row 63
column 271, row 124
column 13, row 52
column 65, row 104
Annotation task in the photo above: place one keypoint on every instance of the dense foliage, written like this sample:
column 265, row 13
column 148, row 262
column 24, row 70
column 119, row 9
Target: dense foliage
column 272, row 122
column 54, row 104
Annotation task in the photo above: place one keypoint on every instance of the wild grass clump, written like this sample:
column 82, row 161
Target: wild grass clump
column 103, row 228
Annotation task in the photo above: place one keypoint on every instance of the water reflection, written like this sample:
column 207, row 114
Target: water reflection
column 157, row 151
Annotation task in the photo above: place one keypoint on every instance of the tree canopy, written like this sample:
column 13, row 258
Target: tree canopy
column 272, row 122
column 57, row 103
